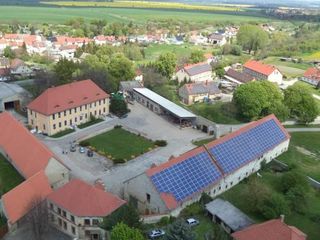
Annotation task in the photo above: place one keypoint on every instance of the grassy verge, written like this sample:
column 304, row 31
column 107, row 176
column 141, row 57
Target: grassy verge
column 120, row 144
column 62, row 133
column 90, row 123
column 203, row 141
column 221, row 113
column 9, row 177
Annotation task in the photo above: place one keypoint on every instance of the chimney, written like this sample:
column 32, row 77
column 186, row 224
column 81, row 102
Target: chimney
column 282, row 218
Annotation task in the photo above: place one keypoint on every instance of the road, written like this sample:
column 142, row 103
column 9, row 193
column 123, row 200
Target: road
column 303, row 129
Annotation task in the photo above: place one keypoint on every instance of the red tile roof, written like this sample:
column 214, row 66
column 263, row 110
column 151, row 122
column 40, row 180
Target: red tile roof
column 28, row 154
column 260, row 67
column 58, row 99
column 19, row 200
column 84, row 200
column 312, row 73
column 270, row 230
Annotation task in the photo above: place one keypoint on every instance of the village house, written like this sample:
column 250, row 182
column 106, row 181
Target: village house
column 199, row 72
column 237, row 77
column 217, row 39
column 199, row 92
column 19, row 68
column 270, row 230
column 261, row 71
column 312, row 76
column 212, row 168
column 78, row 209
column 13, row 96
column 62, row 107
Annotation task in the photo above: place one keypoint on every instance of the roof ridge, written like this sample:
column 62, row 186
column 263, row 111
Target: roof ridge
column 214, row 160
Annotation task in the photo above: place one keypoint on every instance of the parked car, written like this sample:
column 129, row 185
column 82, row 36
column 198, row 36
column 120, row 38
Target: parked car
column 73, row 148
column 123, row 116
column 90, row 153
column 82, row 150
column 156, row 233
column 192, row 222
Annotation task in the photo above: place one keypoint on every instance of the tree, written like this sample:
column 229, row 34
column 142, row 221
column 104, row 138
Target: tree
column 64, row 70
column 118, row 106
column 179, row 230
column 257, row 192
column 273, row 206
column 297, row 198
column 293, row 179
column 166, row 64
column 127, row 214
column 133, row 52
column 38, row 217
column 123, row 232
column 9, row 53
column 121, row 68
column 197, row 56
column 42, row 81
column 258, row 99
column 301, row 104
column 151, row 78
column 252, row 38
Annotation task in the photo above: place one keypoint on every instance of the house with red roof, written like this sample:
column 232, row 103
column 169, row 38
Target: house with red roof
column 19, row 68
column 212, row 168
column 312, row 76
column 78, row 209
column 261, row 71
column 275, row 229
column 20, row 200
column 199, row 72
column 63, row 107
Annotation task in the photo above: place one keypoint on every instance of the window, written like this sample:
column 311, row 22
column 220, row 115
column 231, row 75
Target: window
column 87, row 222
column 104, row 101
column 72, row 218
column 231, row 183
column 75, row 110
column 59, row 124
column 31, row 122
column 219, row 187
column 86, row 115
column 60, row 222
column 70, row 122
column 99, row 112
column 95, row 113
column 51, row 206
column 65, row 113
column 65, row 226
column 65, row 122
column 70, row 111
column 104, row 110
column 95, row 222
column 54, row 126
column 80, row 118
column 64, row 213
column 59, row 211
column 44, row 127
column 73, row 229
column 75, row 119
column 53, row 116
column 85, row 107
column 80, row 108
column 100, row 102
column 52, row 217
column 148, row 197
column 95, row 104
column 59, row 115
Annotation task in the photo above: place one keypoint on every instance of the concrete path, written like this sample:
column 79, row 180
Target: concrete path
column 303, row 129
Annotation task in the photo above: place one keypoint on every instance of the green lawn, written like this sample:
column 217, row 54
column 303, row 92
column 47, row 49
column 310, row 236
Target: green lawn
column 43, row 14
column 239, row 196
column 306, row 163
column 203, row 141
column 120, row 144
column 276, row 61
column 9, row 177
column 221, row 113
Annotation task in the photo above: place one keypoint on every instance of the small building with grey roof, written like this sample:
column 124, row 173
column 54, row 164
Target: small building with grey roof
column 127, row 87
column 12, row 96
column 199, row 92
column 199, row 72
column 228, row 216
column 238, row 77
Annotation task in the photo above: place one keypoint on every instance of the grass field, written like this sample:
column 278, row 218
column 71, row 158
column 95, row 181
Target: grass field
column 221, row 113
column 9, row 177
column 146, row 4
column 312, row 56
column 126, row 15
column 120, row 144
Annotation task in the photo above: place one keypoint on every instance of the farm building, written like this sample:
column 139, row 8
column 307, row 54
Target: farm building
column 261, row 71
column 199, row 72
column 12, row 96
column 199, row 92
column 212, row 168
column 163, row 107
column 62, row 107
column 312, row 76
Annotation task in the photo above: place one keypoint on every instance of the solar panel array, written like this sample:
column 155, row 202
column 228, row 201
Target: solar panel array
column 247, row 146
column 187, row 177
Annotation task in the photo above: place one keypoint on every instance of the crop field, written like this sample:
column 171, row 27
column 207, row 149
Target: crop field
column 41, row 14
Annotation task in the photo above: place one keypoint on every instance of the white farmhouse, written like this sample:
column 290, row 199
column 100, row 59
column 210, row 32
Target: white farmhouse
column 199, row 72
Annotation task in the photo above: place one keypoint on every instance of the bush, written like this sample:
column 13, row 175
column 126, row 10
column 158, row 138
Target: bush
column 273, row 206
column 192, row 210
column 164, row 221
column 315, row 218
column 117, row 126
column 84, row 143
column 293, row 179
column 119, row 160
column 161, row 143
column 205, row 198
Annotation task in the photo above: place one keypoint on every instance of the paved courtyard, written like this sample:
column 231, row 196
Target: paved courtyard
column 140, row 120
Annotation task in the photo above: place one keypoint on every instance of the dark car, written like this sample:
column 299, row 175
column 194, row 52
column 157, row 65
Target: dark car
column 90, row 153
column 73, row 148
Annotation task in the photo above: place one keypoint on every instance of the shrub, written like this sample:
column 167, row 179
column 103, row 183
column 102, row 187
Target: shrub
column 192, row 210
column 117, row 126
column 164, row 221
column 119, row 160
column 293, row 179
column 273, row 206
column 84, row 143
column 315, row 218
column 205, row 198
column 161, row 143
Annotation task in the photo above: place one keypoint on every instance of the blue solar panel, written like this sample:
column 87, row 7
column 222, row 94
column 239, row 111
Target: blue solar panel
column 247, row 146
column 187, row 177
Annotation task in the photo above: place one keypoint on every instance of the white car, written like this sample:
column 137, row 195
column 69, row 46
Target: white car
column 192, row 222
column 156, row 233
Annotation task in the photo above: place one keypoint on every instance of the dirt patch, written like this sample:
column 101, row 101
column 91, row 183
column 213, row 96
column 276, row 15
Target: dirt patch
column 307, row 152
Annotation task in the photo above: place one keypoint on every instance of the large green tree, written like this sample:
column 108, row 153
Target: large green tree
column 258, row 99
column 197, row 56
column 121, row 68
column 123, row 232
column 9, row 53
column 301, row 103
column 179, row 230
column 64, row 70
column 252, row 37
column 166, row 64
